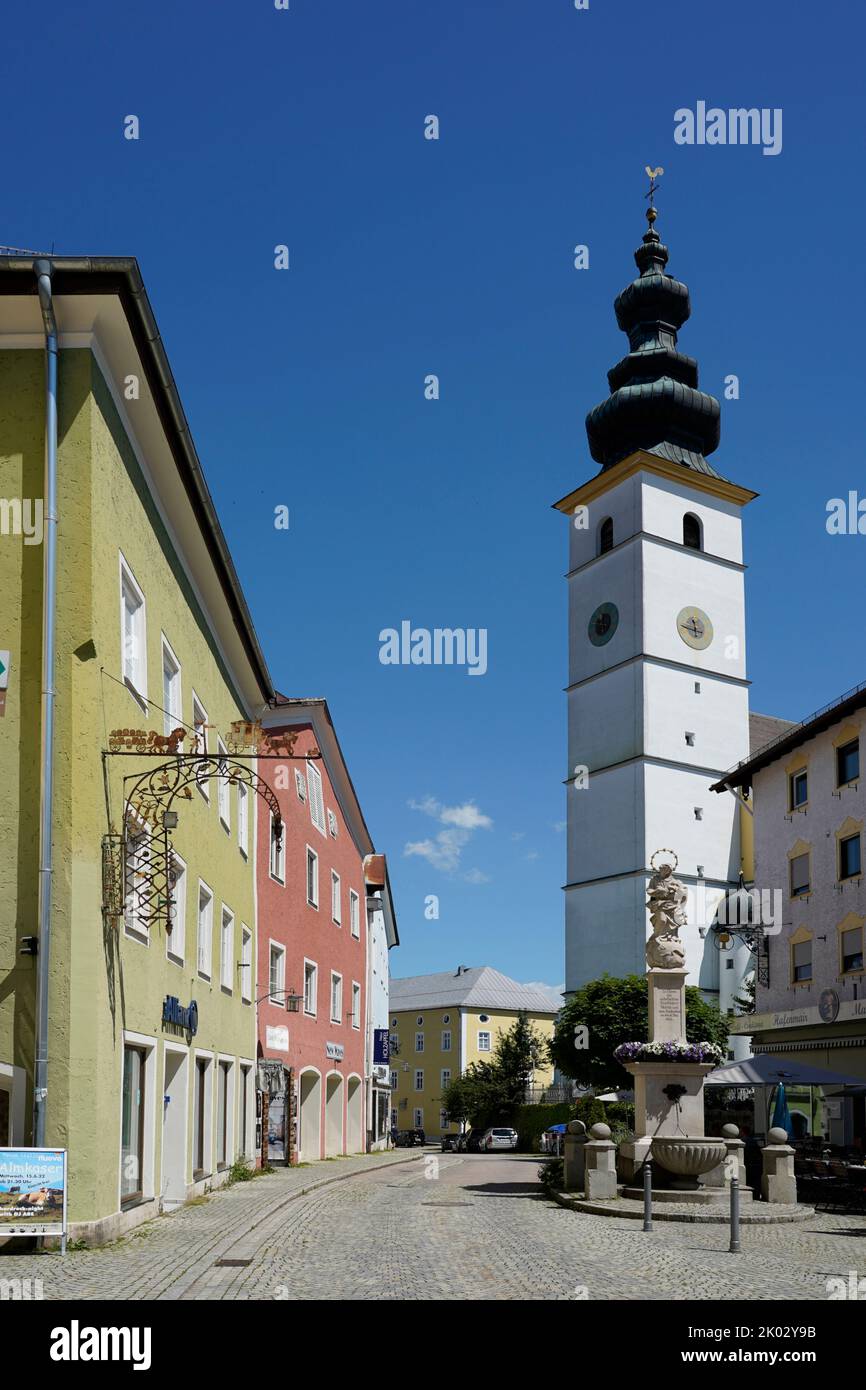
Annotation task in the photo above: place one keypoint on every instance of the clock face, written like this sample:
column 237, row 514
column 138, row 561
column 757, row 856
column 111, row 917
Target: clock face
column 694, row 628
column 603, row 624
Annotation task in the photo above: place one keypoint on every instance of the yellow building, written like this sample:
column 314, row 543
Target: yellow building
column 442, row 1023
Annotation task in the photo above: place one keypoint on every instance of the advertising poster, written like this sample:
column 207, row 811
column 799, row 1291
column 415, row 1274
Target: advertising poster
column 32, row 1192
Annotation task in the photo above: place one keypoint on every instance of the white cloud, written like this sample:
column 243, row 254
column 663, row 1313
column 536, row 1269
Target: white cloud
column 533, row 854
column 445, row 849
column 558, row 826
column 556, row 990
column 476, row 876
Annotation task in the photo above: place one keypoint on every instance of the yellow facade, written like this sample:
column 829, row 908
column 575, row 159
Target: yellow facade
column 471, row 1035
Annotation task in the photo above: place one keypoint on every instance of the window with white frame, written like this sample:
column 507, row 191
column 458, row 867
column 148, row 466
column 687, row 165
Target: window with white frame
column 336, row 997
column 311, row 985
column 172, row 704
column 419, row 1080
column 135, row 861
column 246, row 964
column 278, row 852
column 200, row 723
column 444, row 1121
column 354, row 913
column 336, row 904
column 418, row 1118
column 133, row 633
column 277, row 973
column 356, row 1004
column 394, row 1079
column 483, row 1042
column 300, row 785
column 205, row 929
column 446, row 1040
column 445, row 1078
column 317, row 805
column 312, row 877
column 243, row 820
column 227, row 948
column 419, row 1042
column 223, row 786
column 175, row 940
column 332, row 824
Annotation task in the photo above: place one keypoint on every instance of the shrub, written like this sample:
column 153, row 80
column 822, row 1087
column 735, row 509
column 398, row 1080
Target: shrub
column 551, row 1175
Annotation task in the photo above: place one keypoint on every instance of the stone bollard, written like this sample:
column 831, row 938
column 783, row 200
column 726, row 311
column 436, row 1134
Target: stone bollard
column 574, row 1164
column 778, row 1183
column 600, row 1155
column 732, row 1165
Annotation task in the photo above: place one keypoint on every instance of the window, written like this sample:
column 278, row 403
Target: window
column 200, row 724
column 172, row 706
column 132, row 1125
column 354, row 913
column 332, row 825
column 245, row 1146
column 200, row 1124
column 849, row 856
column 133, row 633
column 446, row 1040
column 317, row 806
column 692, row 532
column 444, row 1121
column 848, row 763
column 336, row 997
column 690, row 740
column 394, row 1080
column 419, row 1080
column 483, row 1042
column 243, row 820
column 277, row 973
column 605, row 535
column 175, row 940
column 418, row 1118
column 205, row 929
column 246, row 966
column 445, row 1078
column 224, row 1097
column 419, row 1042
column 311, row 975
column 356, row 1004
column 798, row 785
column 312, row 877
column 336, row 905
column 729, row 965
column 135, row 860
column 278, row 853
column 223, row 788
column 799, row 874
column 227, row 948
column 300, row 785
column 852, row 949
column 419, row 1020
column 446, row 1018
column 801, row 961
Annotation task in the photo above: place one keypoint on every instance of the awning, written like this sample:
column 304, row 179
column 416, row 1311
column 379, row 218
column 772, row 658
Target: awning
column 766, row 1070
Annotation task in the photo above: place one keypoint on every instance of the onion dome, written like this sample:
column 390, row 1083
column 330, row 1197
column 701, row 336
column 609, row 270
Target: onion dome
column 654, row 403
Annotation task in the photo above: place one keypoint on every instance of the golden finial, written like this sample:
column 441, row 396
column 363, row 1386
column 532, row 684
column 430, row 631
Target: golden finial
column 651, row 213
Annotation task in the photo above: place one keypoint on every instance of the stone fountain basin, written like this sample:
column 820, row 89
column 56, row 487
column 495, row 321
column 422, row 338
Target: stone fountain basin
column 688, row 1158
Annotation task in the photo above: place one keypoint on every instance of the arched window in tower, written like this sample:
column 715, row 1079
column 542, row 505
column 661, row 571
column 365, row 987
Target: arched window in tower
column 605, row 535
column 693, row 535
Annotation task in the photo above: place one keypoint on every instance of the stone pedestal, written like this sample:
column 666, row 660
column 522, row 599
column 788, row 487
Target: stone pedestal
column 574, row 1163
column 733, row 1164
column 666, row 991
column 600, row 1155
column 778, row 1183
column 655, row 1112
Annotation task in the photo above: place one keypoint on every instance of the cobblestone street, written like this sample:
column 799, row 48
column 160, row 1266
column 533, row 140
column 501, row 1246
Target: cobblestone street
column 430, row 1227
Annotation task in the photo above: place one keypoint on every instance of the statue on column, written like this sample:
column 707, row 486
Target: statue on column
column 666, row 900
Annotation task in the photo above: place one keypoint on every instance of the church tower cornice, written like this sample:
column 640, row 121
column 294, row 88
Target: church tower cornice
column 644, row 461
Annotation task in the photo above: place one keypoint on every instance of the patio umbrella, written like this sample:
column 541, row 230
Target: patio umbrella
column 781, row 1113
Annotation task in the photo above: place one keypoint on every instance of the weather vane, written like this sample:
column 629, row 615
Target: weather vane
column 651, row 213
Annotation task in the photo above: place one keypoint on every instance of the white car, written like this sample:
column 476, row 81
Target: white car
column 499, row 1139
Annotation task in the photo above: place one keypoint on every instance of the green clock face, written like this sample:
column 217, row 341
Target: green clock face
column 603, row 624
column 694, row 628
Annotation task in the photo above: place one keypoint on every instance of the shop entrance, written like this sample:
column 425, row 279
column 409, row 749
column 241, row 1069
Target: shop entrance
column 175, row 1105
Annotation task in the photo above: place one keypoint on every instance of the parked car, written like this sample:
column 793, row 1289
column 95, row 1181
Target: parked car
column 450, row 1142
column 473, row 1141
column 499, row 1138
column 407, row 1138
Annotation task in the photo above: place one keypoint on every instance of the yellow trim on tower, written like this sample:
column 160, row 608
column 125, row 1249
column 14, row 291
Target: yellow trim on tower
column 641, row 461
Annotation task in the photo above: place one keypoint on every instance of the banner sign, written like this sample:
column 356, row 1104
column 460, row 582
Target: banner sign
column 32, row 1192
column 381, row 1046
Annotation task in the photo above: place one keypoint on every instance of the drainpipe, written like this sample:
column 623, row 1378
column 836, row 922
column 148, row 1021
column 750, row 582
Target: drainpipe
column 42, row 270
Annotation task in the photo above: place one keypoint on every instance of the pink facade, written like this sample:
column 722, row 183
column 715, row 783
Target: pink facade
column 315, row 878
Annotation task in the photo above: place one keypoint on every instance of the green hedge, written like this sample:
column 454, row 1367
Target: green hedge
column 532, row 1120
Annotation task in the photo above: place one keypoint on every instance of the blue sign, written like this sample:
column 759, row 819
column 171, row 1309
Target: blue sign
column 381, row 1047
column 174, row 1012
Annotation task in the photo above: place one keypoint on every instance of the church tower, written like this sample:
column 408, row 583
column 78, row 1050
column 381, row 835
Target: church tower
column 657, row 689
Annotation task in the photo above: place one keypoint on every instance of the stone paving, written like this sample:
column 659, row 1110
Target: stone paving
column 442, row 1227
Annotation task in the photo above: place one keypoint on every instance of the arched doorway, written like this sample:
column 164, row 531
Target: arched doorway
column 354, row 1116
column 333, row 1114
column 310, row 1117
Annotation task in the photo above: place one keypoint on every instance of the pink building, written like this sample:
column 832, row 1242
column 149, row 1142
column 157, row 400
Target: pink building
column 313, row 944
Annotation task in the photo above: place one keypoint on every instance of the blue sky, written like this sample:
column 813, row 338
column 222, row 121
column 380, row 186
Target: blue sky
column 454, row 257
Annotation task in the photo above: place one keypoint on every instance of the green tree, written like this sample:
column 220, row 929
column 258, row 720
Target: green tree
column 490, row 1092
column 614, row 1011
